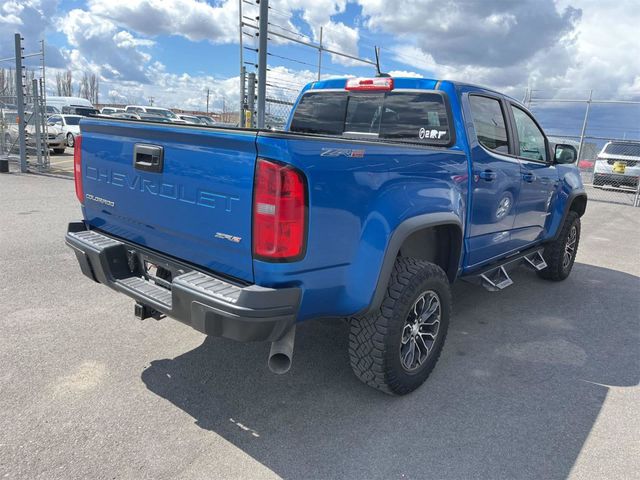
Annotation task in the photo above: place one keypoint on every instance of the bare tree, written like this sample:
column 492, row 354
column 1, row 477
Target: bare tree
column 94, row 88
column 83, row 87
column 67, row 83
column 59, row 83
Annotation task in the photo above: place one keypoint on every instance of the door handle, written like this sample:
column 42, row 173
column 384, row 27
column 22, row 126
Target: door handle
column 149, row 158
column 488, row 175
column 529, row 177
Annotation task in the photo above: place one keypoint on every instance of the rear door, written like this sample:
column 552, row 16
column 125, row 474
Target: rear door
column 181, row 190
column 496, row 181
column 540, row 179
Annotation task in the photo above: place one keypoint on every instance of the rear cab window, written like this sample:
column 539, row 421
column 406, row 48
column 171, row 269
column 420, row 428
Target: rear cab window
column 406, row 116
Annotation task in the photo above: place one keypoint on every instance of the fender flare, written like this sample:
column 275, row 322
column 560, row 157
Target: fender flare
column 400, row 234
column 570, row 199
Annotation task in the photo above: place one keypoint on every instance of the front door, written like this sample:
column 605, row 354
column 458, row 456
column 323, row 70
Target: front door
column 495, row 184
column 540, row 179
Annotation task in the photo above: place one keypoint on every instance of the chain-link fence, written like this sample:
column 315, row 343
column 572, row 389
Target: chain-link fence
column 606, row 134
column 28, row 139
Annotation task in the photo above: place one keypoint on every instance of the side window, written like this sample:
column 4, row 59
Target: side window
column 488, row 120
column 530, row 137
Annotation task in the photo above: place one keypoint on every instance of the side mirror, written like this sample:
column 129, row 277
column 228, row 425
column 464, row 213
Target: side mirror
column 565, row 154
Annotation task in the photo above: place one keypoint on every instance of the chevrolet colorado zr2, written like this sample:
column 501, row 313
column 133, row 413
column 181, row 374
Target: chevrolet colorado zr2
column 379, row 194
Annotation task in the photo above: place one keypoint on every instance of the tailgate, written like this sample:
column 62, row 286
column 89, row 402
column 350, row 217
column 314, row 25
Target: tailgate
column 183, row 191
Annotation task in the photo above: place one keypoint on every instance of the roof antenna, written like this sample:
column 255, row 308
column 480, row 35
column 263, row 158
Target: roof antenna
column 378, row 72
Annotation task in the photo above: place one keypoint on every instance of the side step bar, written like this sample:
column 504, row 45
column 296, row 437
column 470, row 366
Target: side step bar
column 495, row 277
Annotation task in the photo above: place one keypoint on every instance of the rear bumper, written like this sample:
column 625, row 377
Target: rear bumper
column 211, row 305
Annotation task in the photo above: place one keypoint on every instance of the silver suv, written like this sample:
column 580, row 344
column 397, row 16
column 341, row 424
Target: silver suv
column 618, row 165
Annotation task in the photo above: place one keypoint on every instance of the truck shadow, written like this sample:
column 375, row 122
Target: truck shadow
column 520, row 383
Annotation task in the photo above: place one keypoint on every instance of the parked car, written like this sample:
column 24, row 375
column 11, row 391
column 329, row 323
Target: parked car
column 51, row 110
column 81, row 104
column 110, row 110
column 162, row 112
column 68, row 124
column 9, row 124
column 207, row 120
column 80, row 110
column 130, row 116
column 55, row 139
column 380, row 193
column 191, row 119
column 153, row 118
column 618, row 165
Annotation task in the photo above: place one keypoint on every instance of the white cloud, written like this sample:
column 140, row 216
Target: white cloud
column 571, row 44
column 99, row 45
column 192, row 19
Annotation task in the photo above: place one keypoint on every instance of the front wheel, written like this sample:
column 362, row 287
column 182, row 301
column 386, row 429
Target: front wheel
column 59, row 151
column 395, row 348
column 70, row 140
column 560, row 254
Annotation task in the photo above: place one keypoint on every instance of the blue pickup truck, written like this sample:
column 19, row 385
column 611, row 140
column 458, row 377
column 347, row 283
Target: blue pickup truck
column 379, row 194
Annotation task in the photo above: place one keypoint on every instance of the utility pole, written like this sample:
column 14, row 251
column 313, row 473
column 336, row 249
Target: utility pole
column 150, row 100
column 584, row 125
column 20, row 101
column 263, row 36
column 207, row 100
column 320, row 55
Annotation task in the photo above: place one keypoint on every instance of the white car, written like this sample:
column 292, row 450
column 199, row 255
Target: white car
column 68, row 124
column 618, row 164
column 157, row 111
column 55, row 136
column 191, row 119
column 110, row 110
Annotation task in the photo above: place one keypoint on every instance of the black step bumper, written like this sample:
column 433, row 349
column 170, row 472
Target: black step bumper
column 211, row 305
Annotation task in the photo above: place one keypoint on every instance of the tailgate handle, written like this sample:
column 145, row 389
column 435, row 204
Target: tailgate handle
column 149, row 158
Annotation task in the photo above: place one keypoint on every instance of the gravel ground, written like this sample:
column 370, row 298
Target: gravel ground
column 537, row 381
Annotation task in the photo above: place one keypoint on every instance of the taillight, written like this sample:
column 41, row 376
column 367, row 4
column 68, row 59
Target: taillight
column 77, row 167
column 279, row 212
column 369, row 84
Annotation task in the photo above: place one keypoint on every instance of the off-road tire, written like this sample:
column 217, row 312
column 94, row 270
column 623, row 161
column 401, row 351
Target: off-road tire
column 554, row 251
column 375, row 338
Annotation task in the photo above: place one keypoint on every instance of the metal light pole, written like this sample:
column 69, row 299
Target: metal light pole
column 262, row 60
column 320, row 55
column 20, row 101
column 584, row 125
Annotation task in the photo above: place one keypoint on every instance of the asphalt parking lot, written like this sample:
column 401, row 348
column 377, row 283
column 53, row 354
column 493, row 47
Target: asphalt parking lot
column 62, row 164
column 537, row 381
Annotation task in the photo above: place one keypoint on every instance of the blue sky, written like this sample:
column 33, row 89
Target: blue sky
column 174, row 50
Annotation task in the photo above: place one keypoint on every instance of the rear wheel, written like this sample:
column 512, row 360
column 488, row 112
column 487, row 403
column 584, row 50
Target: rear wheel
column 70, row 140
column 395, row 348
column 560, row 254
